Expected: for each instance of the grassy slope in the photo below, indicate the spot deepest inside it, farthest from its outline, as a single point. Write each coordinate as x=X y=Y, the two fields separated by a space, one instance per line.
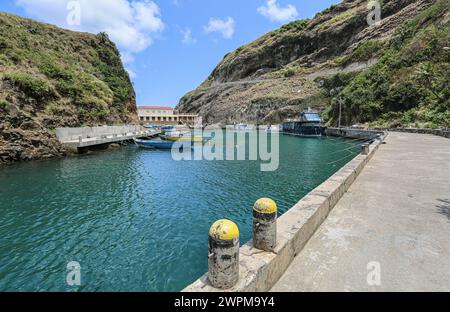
x=62 y=77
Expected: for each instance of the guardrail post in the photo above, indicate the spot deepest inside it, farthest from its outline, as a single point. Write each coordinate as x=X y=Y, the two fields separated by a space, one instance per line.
x=265 y=224
x=223 y=254
x=365 y=149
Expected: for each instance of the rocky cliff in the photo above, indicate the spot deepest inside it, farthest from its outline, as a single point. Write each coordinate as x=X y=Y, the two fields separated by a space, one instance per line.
x=49 y=78
x=395 y=71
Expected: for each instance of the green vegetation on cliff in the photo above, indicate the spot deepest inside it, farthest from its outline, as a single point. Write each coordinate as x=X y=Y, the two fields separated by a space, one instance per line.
x=49 y=78
x=71 y=78
x=395 y=72
x=409 y=85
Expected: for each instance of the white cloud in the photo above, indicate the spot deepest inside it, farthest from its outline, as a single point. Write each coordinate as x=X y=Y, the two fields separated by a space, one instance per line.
x=276 y=13
x=132 y=73
x=225 y=27
x=187 y=36
x=131 y=25
x=127 y=57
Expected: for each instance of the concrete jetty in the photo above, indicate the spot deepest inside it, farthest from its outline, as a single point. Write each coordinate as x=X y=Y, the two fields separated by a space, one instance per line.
x=260 y=270
x=78 y=138
x=390 y=231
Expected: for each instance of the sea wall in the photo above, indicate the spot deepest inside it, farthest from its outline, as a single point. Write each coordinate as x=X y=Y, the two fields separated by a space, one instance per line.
x=259 y=270
x=353 y=133
x=439 y=132
x=354 y=130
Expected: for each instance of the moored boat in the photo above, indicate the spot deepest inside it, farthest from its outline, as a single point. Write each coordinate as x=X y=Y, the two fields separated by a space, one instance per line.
x=181 y=136
x=173 y=133
x=155 y=144
x=273 y=128
x=308 y=125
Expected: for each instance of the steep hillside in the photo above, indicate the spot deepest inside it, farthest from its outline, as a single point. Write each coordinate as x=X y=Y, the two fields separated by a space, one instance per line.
x=50 y=77
x=396 y=71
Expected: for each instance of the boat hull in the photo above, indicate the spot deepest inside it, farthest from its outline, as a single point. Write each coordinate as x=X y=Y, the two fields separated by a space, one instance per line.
x=182 y=139
x=163 y=145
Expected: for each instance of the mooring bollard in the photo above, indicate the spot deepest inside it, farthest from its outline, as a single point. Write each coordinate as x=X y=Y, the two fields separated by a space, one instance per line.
x=265 y=224
x=365 y=149
x=223 y=254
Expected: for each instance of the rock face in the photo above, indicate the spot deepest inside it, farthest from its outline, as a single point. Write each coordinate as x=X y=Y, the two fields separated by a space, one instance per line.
x=286 y=70
x=22 y=138
x=49 y=78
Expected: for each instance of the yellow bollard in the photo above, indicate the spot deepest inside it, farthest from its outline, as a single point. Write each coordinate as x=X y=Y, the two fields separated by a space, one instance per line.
x=265 y=224
x=223 y=254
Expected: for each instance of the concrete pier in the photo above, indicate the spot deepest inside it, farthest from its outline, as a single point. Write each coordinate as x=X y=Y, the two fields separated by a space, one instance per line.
x=78 y=138
x=390 y=231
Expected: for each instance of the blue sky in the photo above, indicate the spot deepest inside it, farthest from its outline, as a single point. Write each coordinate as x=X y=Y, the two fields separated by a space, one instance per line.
x=170 y=46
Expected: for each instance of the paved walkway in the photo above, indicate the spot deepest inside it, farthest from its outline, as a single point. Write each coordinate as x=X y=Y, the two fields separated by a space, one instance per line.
x=397 y=214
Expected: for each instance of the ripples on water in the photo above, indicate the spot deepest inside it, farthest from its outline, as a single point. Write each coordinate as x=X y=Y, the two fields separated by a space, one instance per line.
x=135 y=219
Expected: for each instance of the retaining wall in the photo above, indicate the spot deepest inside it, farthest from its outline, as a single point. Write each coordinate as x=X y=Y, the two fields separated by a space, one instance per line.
x=353 y=133
x=260 y=270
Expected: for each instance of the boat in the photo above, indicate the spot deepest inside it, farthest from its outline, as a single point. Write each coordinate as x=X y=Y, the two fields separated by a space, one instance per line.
x=309 y=124
x=152 y=127
x=168 y=129
x=272 y=128
x=241 y=127
x=172 y=133
x=183 y=136
x=244 y=127
x=154 y=144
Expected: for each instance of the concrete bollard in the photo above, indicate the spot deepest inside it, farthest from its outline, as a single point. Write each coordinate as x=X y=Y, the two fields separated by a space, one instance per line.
x=223 y=254
x=265 y=224
x=365 y=149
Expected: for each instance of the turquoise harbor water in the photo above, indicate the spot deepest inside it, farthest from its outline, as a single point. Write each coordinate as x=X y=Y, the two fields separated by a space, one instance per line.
x=135 y=219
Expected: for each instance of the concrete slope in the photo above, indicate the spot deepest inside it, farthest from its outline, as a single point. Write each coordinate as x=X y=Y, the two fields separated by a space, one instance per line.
x=394 y=220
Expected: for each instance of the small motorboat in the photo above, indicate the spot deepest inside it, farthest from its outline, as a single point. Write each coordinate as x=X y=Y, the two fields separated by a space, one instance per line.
x=172 y=134
x=155 y=144
x=243 y=127
x=186 y=137
x=272 y=128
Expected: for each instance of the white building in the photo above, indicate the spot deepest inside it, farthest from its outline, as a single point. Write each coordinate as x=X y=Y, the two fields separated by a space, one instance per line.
x=164 y=115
